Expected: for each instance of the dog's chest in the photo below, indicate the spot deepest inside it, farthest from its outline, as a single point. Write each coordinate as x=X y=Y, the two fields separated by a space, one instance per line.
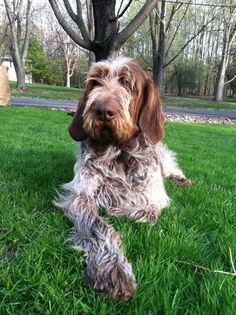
x=122 y=170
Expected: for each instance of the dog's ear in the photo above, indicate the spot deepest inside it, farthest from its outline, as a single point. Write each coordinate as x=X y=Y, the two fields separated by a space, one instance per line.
x=76 y=129
x=151 y=117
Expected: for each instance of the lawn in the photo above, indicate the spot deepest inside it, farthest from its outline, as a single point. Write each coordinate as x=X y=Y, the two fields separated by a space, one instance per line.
x=48 y=92
x=41 y=274
x=198 y=102
x=48 y=96
x=45 y=87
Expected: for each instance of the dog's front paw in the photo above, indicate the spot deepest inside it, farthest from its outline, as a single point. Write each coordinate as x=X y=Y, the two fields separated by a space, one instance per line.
x=123 y=284
x=148 y=214
x=115 y=280
x=181 y=181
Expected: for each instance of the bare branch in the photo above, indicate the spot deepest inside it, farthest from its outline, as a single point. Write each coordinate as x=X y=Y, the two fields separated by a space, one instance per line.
x=80 y=22
x=18 y=13
x=176 y=30
x=70 y=10
x=27 y=30
x=173 y=11
x=121 y=3
x=227 y=82
x=135 y=23
x=9 y=13
x=153 y=30
x=119 y=15
x=11 y=18
x=149 y=65
x=76 y=38
x=186 y=44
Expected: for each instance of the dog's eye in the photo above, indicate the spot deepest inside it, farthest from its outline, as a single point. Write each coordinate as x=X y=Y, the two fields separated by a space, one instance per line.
x=124 y=82
x=96 y=83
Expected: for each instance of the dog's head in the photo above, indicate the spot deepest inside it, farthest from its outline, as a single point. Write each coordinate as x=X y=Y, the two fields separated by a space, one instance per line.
x=119 y=102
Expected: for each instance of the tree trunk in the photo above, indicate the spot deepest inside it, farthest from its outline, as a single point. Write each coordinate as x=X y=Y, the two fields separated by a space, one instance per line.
x=158 y=70
x=106 y=28
x=229 y=35
x=91 y=30
x=67 y=79
x=19 y=68
x=20 y=73
x=219 y=86
x=179 y=90
x=18 y=53
x=159 y=55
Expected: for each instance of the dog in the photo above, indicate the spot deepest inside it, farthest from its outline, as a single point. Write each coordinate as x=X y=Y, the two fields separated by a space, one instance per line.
x=120 y=168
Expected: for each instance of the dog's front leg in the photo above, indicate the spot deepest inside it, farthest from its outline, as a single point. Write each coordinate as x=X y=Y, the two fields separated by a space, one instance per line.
x=107 y=269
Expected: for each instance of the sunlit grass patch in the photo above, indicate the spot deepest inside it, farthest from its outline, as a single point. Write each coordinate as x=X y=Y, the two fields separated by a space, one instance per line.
x=41 y=274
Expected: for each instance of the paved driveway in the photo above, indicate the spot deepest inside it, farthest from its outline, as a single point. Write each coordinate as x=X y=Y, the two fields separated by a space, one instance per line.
x=22 y=101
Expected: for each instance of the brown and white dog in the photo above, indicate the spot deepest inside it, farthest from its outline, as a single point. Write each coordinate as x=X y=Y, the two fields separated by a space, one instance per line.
x=121 y=168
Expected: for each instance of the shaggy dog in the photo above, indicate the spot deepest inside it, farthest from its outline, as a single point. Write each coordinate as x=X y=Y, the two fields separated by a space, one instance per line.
x=121 y=168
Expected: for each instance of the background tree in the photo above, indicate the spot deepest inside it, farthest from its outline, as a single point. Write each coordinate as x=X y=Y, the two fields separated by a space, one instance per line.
x=107 y=36
x=4 y=35
x=231 y=76
x=228 y=24
x=38 y=62
x=168 y=23
x=70 y=52
x=19 y=16
x=66 y=61
x=182 y=44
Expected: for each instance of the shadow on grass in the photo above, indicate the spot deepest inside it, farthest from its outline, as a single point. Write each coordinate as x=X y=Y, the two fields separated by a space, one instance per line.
x=38 y=171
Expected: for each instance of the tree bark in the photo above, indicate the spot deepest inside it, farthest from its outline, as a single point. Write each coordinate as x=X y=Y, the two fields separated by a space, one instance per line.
x=106 y=28
x=91 y=30
x=229 y=34
x=159 y=55
x=19 y=54
x=219 y=88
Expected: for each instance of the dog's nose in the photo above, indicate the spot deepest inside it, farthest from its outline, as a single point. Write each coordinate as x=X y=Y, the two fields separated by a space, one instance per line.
x=105 y=112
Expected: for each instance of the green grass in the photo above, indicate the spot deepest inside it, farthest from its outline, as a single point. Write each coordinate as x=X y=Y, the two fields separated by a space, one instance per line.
x=48 y=96
x=44 y=87
x=191 y=101
x=40 y=274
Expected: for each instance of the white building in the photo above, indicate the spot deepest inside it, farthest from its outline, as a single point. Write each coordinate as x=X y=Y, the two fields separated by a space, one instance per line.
x=7 y=61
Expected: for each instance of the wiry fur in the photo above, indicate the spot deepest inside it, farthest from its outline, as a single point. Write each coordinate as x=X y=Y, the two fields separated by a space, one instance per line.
x=124 y=177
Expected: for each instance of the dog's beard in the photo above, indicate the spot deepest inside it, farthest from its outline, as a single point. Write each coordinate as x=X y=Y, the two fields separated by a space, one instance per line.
x=106 y=134
x=117 y=131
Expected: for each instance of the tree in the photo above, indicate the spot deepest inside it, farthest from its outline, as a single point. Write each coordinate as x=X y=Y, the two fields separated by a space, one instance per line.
x=187 y=75
x=4 y=38
x=165 y=26
x=70 y=52
x=19 y=17
x=37 y=60
x=229 y=32
x=107 y=36
x=231 y=76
